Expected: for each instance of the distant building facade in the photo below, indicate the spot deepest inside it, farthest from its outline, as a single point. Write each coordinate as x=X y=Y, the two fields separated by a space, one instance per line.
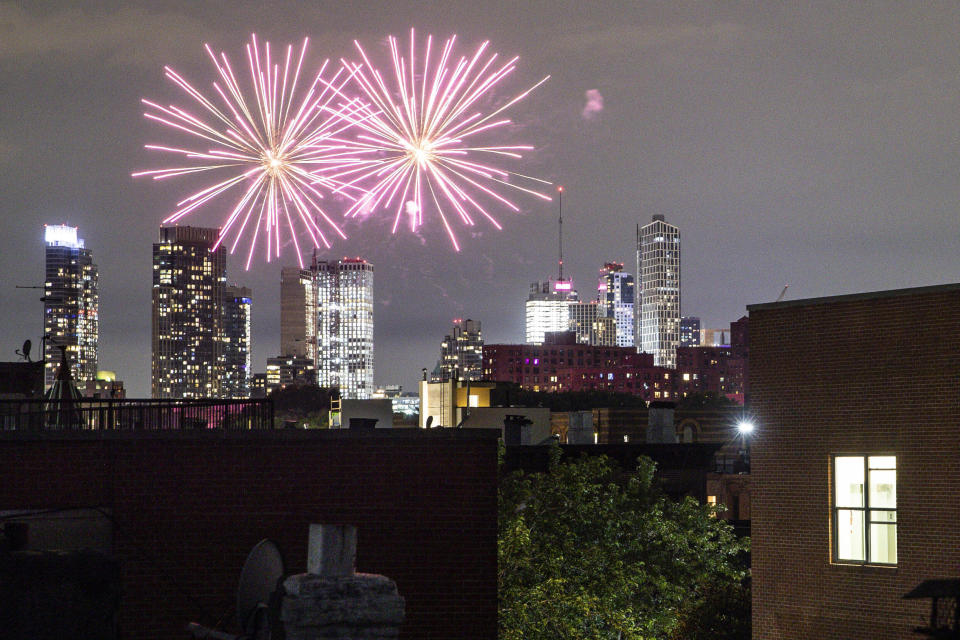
x=236 y=343
x=615 y=293
x=718 y=370
x=689 y=331
x=187 y=322
x=658 y=268
x=589 y=326
x=287 y=371
x=106 y=386
x=547 y=308
x=298 y=312
x=71 y=305
x=258 y=385
x=461 y=352
x=345 y=326
x=582 y=317
x=561 y=365
x=715 y=337
x=404 y=403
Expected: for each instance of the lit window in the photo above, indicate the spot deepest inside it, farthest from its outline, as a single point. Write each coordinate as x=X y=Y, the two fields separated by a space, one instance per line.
x=865 y=509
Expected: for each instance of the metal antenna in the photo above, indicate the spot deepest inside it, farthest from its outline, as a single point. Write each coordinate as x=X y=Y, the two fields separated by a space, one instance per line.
x=560 y=201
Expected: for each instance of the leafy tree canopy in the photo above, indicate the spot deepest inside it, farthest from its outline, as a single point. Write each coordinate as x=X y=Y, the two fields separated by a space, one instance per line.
x=589 y=551
x=302 y=403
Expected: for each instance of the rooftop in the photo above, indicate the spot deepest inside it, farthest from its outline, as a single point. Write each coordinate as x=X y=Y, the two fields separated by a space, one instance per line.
x=853 y=297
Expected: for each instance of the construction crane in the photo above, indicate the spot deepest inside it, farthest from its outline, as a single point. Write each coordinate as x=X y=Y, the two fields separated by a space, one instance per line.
x=782 y=293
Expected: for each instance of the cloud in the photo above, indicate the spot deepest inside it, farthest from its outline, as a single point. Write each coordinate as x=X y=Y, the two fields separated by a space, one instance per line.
x=594 y=105
x=126 y=36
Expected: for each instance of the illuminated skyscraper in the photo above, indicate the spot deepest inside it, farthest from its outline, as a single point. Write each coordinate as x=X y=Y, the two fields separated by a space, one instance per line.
x=548 y=309
x=615 y=294
x=345 y=326
x=461 y=352
x=236 y=343
x=298 y=312
x=658 y=266
x=188 y=295
x=70 y=304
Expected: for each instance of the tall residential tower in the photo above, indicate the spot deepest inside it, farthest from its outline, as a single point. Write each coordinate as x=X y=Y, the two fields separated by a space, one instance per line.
x=658 y=268
x=236 y=343
x=71 y=305
x=345 y=326
x=298 y=312
x=188 y=295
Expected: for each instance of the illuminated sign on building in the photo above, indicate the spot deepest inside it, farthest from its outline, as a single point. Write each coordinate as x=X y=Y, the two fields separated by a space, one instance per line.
x=61 y=235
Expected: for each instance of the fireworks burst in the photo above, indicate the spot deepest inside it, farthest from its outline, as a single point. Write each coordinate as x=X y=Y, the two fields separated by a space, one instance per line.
x=269 y=145
x=415 y=149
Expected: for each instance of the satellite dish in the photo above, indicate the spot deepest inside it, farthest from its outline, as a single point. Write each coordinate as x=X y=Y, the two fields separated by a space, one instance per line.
x=429 y=421
x=261 y=572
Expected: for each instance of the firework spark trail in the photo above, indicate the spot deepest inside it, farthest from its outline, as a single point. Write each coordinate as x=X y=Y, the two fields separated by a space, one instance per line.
x=271 y=145
x=412 y=147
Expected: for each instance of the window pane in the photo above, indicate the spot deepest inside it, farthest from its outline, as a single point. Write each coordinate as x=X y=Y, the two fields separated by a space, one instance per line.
x=849 y=481
x=883 y=543
x=883 y=516
x=850 y=534
x=883 y=489
x=883 y=462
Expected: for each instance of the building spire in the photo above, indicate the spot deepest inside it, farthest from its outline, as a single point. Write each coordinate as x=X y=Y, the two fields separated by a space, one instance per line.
x=560 y=201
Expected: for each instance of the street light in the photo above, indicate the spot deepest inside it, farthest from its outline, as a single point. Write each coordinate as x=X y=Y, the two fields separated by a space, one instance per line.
x=746 y=428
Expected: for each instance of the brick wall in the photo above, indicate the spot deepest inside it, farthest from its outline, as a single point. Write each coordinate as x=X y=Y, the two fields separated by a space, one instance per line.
x=188 y=507
x=863 y=374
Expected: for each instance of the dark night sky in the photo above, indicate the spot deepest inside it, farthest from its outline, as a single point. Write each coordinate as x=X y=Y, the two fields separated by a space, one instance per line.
x=816 y=144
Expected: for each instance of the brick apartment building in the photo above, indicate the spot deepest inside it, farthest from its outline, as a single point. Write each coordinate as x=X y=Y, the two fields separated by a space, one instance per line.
x=721 y=370
x=856 y=461
x=561 y=364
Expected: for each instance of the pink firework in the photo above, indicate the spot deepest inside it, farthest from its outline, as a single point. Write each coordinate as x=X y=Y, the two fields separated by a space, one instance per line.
x=263 y=148
x=419 y=144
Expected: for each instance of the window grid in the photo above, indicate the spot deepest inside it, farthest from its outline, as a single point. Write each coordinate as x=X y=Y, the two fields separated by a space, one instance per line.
x=864 y=510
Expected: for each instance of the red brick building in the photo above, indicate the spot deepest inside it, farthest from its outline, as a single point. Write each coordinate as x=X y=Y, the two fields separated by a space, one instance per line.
x=561 y=364
x=718 y=370
x=855 y=461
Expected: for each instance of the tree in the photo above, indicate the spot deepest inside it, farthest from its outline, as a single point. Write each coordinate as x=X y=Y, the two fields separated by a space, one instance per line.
x=587 y=550
x=302 y=404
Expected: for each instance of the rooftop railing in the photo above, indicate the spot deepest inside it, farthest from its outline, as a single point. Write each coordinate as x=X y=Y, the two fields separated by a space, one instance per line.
x=134 y=415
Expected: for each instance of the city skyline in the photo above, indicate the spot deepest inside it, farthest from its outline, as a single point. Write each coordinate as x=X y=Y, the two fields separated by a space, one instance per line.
x=805 y=145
